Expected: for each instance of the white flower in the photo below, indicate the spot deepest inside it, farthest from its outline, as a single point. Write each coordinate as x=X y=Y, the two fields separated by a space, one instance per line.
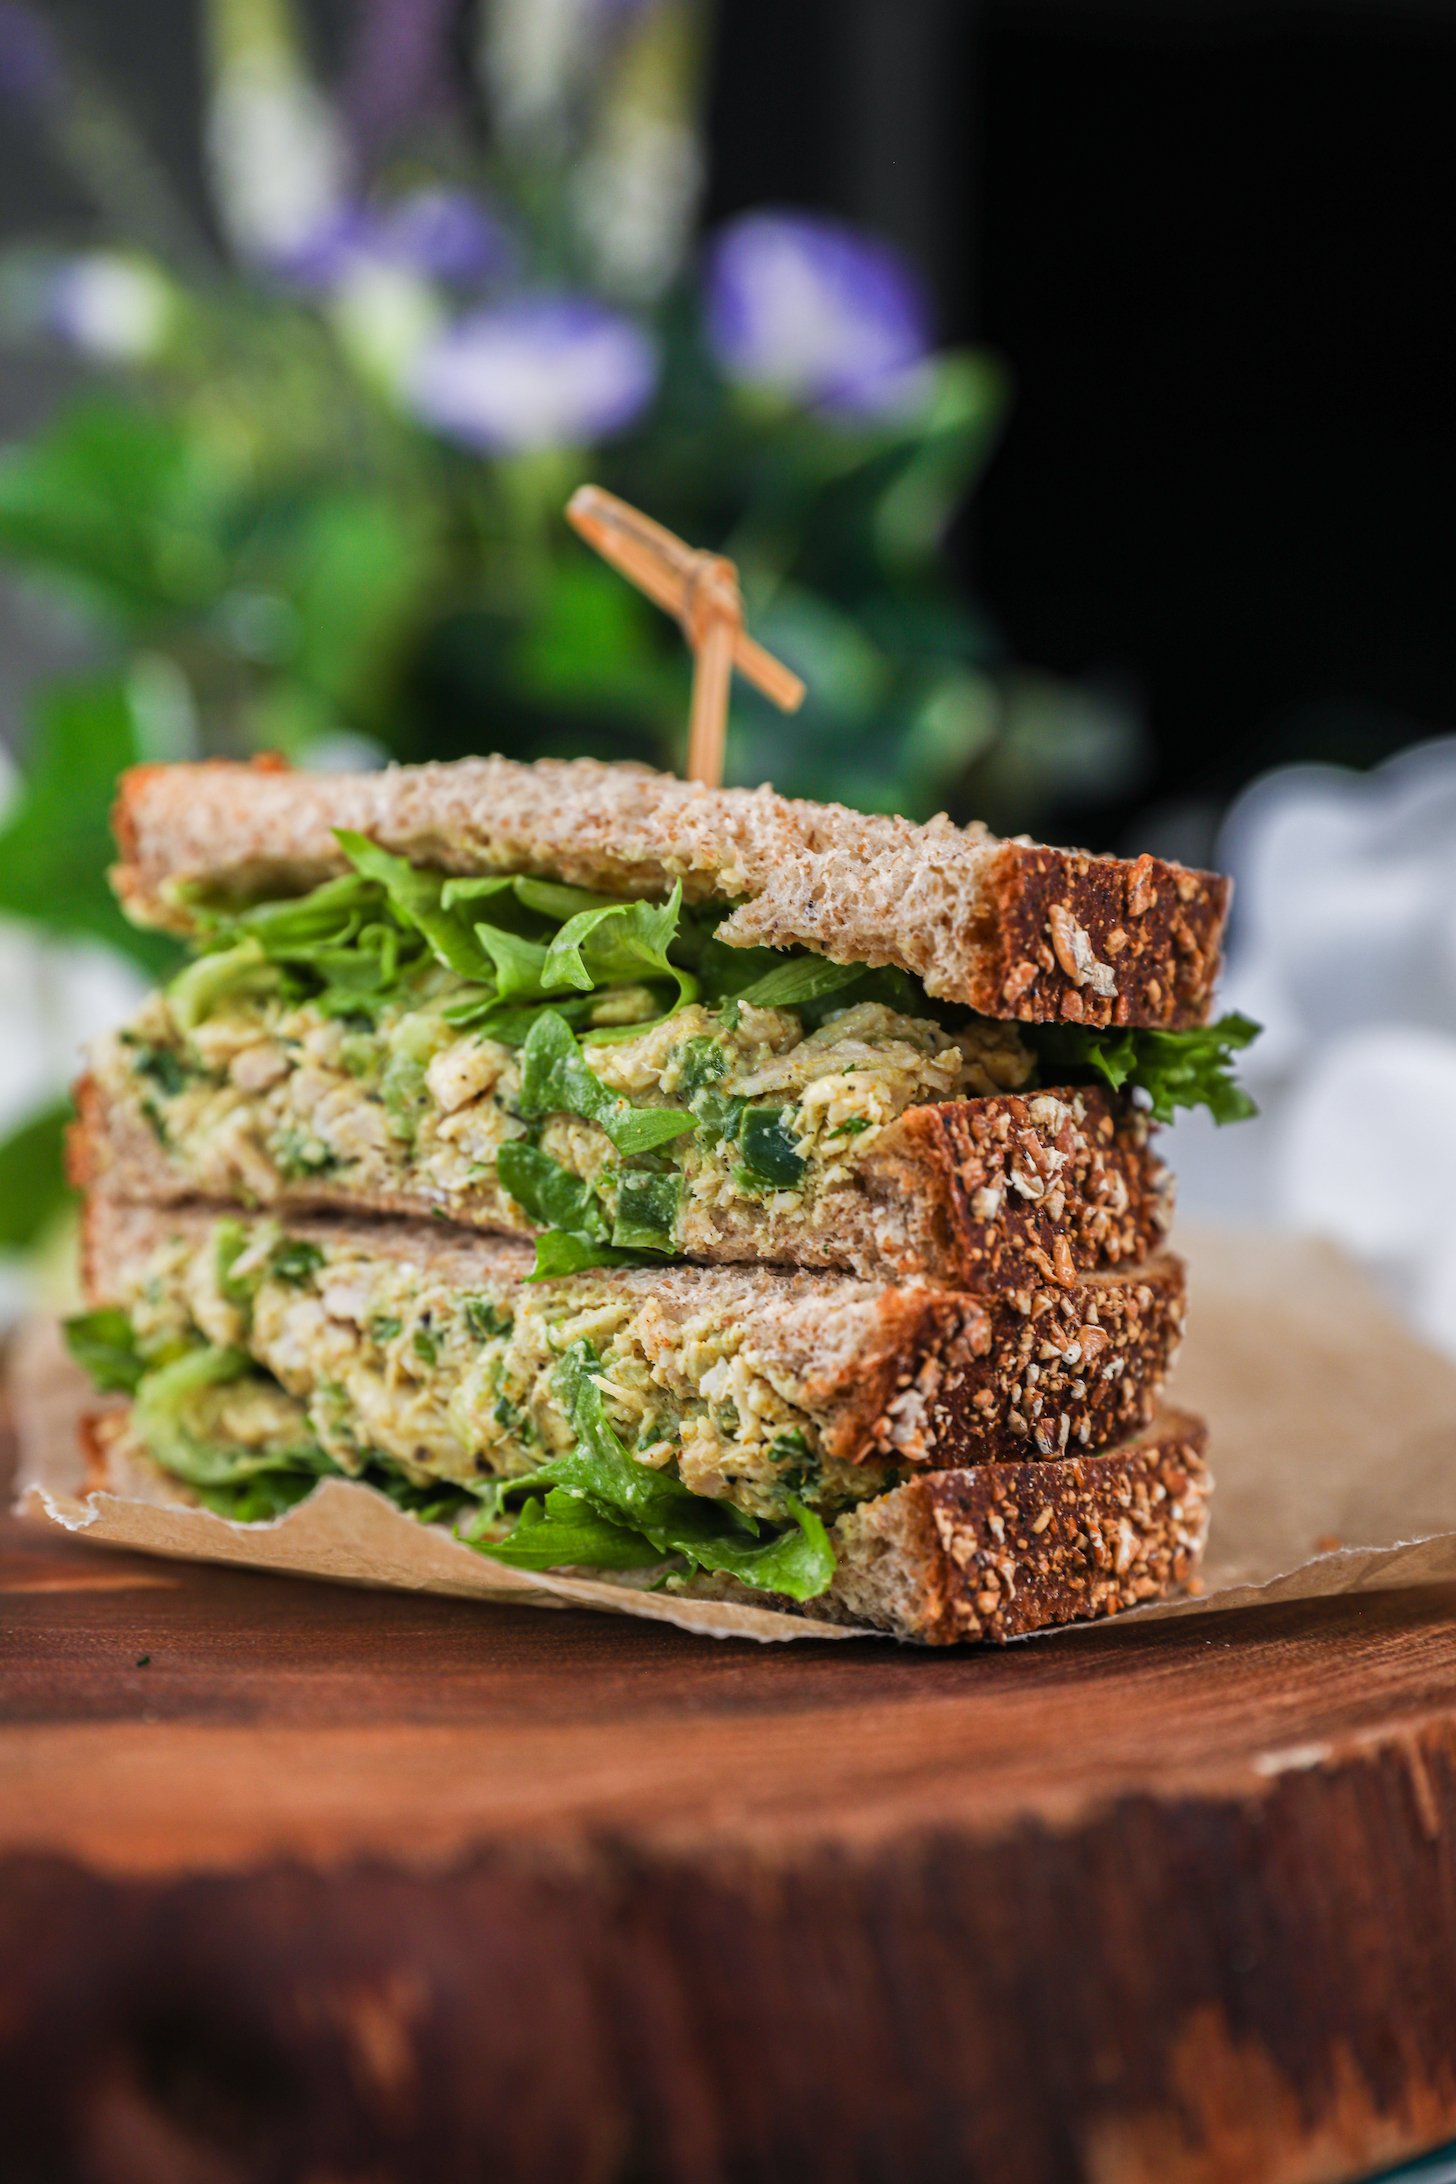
x=111 y=306
x=277 y=152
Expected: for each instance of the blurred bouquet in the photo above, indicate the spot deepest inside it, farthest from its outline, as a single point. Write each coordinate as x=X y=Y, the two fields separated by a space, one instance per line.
x=1345 y=946
x=312 y=499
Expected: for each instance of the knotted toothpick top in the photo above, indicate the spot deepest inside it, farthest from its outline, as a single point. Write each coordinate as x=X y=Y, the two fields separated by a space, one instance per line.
x=701 y=591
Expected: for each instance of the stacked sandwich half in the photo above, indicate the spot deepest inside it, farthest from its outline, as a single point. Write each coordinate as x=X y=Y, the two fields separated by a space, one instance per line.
x=725 y=1193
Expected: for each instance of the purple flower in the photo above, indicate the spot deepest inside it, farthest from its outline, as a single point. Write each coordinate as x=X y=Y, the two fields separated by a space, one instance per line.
x=326 y=253
x=548 y=371
x=815 y=311
x=448 y=235
x=444 y=235
x=30 y=66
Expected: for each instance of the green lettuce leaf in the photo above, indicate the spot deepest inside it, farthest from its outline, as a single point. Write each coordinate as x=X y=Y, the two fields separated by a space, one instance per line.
x=561 y=1251
x=555 y=1079
x=246 y=1484
x=573 y=1217
x=564 y=1530
x=103 y=1345
x=553 y=899
x=549 y=1194
x=416 y=897
x=1189 y=1068
x=707 y=1535
x=518 y=962
x=261 y=1497
x=228 y=975
x=799 y=979
x=619 y=944
x=330 y=916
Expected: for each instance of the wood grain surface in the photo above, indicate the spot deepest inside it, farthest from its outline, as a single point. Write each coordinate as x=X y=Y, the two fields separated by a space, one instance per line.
x=300 y=1882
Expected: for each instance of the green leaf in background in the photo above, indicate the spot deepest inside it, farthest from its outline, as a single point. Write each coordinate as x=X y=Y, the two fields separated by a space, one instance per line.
x=55 y=841
x=121 y=503
x=33 y=1188
x=950 y=443
x=356 y=572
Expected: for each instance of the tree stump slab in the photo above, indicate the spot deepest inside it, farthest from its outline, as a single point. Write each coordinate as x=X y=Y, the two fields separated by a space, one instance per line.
x=304 y=1882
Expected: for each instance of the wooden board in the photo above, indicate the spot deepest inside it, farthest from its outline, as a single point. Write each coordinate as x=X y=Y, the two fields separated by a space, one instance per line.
x=303 y=1882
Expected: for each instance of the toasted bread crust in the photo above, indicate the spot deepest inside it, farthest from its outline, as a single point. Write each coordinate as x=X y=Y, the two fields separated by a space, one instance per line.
x=1000 y=1550
x=1008 y=928
x=999 y=1191
x=984 y=1194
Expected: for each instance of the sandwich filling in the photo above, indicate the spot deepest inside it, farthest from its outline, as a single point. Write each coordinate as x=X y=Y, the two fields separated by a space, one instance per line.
x=604 y=1074
x=259 y=1362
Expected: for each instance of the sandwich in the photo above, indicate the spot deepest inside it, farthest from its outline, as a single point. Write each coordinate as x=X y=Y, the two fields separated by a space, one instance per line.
x=725 y=1193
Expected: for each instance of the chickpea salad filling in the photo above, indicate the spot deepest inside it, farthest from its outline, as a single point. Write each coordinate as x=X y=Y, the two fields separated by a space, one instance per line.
x=604 y=1074
x=574 y=1422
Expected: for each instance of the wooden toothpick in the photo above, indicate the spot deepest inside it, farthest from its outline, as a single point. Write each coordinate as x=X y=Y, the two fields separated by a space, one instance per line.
x=701 y=591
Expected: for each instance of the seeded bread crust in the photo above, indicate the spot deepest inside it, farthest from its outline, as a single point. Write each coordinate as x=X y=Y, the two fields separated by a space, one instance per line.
x=1000 y=1550
x=957 y=1557
x=919 y=1375
x=1005 y=927
x=985 y=1194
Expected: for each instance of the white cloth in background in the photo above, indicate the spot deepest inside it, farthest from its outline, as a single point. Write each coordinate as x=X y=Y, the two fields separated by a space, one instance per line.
x=1344 y=945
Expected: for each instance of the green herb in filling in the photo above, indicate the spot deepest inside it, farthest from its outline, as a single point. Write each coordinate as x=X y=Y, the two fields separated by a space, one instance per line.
x=647 y=1211
x=485 y=1319
x=298 y=1155
x=771 y=1159
x=295 y=1261
x=163 y=1066
x=230 y=1244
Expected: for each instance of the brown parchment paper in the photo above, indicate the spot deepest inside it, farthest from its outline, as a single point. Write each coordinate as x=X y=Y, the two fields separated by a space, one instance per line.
x=1333 y=1451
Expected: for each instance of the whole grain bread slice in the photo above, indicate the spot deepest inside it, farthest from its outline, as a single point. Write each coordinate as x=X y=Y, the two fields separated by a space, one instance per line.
x=910 y=1373
x=955 y=1557
x=1000 y=1550
x=986 y=1194
x=1004 y=927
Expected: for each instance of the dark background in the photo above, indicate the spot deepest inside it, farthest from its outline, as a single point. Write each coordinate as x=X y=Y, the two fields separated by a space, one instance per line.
x=1215 y=242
